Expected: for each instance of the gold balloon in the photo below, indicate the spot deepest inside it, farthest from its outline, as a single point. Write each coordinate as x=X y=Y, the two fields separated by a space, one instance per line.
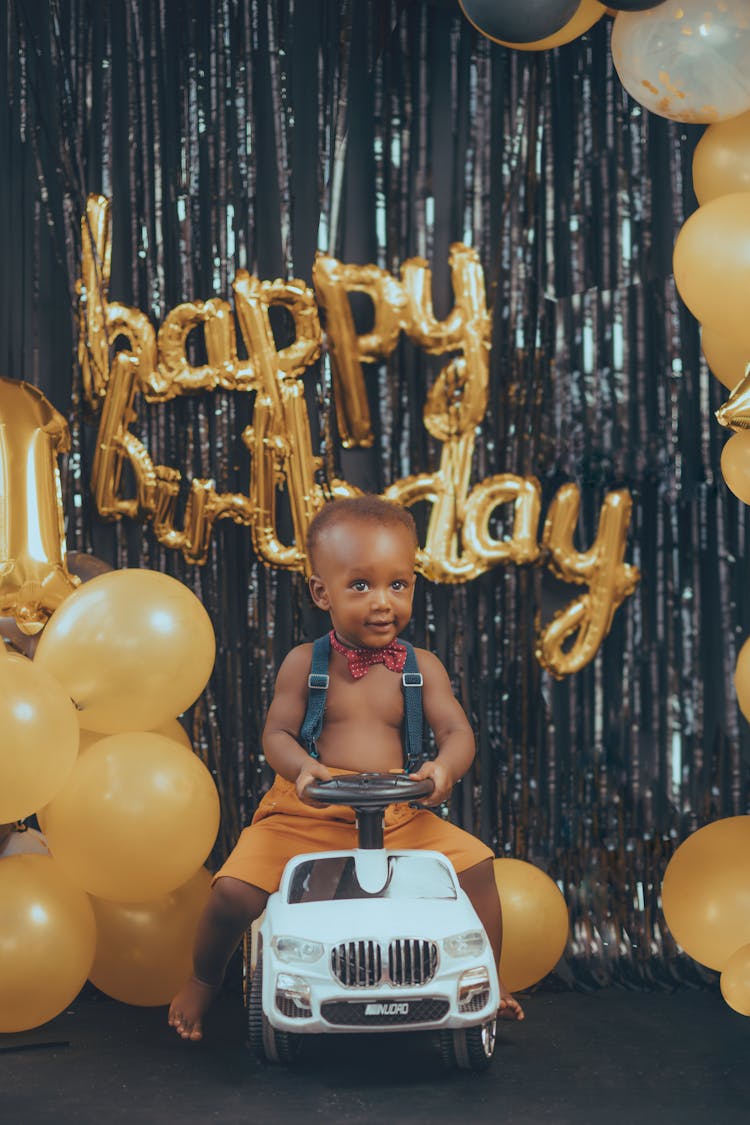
x=34 y=578
x=735 y=465
x=735 y=981
x=609 y=579
x=172 y=729
x=454 y=549
x=742 y=679
x=712 y=264
x=93 y=285
x=176 y=369
x=728 y=359
x=589 y=11
x=87 y=738
x=334 y=281
x=279 y=440
x=176 y=375
x=721 y=161
x=47 y=937
x=735 y=412
x=132 y=648
x=535 y=923
x=81 y=565
x=156 y=486
x=135 y=819
x=39 y=739
x=525 y=494
x=706 y=891
x=124 y=321
x=144 y=950
x=175 y=730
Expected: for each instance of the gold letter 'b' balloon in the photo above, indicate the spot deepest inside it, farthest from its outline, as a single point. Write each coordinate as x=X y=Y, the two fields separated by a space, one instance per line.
x=33 y=576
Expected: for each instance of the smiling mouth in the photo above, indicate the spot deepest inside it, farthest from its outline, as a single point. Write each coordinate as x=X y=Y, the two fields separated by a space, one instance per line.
x=380 y=624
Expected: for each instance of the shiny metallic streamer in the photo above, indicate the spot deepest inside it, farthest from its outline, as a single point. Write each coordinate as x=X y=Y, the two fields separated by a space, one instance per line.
x=244 y=135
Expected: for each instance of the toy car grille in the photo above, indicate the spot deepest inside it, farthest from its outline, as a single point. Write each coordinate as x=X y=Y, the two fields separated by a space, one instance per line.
x=476 y=1003
x=360 y=1013
x=412 y=962
x=357 y=964
x=288 y=1008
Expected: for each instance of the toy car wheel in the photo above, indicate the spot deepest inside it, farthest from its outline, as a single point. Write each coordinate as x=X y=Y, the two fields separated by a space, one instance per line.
x=268 y=1044
x=469 y=1048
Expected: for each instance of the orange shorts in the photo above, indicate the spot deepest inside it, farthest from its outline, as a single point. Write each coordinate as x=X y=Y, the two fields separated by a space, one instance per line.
x=283 y=826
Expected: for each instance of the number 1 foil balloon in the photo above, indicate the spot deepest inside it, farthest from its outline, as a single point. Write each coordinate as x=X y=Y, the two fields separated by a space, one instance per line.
x=34 y=578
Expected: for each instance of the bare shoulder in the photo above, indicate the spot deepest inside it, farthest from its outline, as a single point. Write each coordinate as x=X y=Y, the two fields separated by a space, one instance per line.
x=430 y=666
x=295 y=664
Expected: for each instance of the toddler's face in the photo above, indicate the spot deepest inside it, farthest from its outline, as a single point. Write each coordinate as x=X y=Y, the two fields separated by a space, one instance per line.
x=364 y=578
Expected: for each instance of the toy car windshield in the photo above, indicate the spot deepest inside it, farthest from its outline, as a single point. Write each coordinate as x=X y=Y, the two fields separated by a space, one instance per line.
x=335 y=878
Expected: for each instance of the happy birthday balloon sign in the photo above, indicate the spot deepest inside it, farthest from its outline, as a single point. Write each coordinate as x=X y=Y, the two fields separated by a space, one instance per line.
x=459 y=543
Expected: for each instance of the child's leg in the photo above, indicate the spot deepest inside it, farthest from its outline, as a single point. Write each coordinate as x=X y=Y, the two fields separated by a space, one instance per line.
x=232 y=906
x=479 y=884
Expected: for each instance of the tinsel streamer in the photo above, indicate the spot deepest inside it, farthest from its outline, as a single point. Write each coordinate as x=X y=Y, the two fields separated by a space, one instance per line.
x=244 y=136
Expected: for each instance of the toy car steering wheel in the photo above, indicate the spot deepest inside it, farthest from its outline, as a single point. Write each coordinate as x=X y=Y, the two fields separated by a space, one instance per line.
x=369 y=792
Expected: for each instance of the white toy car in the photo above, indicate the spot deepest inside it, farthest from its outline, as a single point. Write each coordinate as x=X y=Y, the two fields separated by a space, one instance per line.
x=373 y=940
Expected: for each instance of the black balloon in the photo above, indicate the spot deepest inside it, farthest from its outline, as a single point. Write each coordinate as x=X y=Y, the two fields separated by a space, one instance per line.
x=634 y=5
x=519 y=21
x=86 y=566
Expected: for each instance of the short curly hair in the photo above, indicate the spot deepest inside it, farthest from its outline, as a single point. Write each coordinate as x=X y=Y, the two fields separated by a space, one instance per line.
x=368 y=508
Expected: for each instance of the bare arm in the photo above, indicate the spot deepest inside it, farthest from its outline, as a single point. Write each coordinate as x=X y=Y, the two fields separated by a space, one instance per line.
x=281 y=746
x=453 y=734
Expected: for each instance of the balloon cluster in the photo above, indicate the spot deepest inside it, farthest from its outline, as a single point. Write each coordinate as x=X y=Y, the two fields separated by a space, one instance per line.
x=681 y=59
x=92 y=746
x=687 y=61
x=712 y=271
x=712 y=274
x=706 y=902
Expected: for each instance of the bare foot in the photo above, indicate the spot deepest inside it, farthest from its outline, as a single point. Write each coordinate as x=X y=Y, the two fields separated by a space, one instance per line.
x=189 y=1006
x=509 y=1008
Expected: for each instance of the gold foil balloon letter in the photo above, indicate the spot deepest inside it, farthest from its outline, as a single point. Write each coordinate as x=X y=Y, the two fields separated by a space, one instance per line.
x=609 y=579
x=464 y=537
x=33 y=576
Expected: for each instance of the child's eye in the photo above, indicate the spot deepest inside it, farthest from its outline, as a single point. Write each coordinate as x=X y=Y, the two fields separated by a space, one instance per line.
x=360 y=585
x=399 y=584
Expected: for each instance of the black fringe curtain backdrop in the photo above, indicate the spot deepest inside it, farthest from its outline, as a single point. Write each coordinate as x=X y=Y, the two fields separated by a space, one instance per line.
x=246 y=134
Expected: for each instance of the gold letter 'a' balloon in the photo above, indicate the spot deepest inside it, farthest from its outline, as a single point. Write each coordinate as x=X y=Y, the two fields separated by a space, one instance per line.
x=33 y=576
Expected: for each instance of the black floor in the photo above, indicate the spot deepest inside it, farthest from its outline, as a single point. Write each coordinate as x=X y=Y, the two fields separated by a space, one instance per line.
x=611 y=1057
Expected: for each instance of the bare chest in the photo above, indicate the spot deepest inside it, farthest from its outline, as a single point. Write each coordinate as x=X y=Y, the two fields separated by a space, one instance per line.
x=376 y=698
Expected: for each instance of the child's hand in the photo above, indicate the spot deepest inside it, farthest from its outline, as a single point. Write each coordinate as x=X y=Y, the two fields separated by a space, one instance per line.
x=311 y=771
x=441 y=778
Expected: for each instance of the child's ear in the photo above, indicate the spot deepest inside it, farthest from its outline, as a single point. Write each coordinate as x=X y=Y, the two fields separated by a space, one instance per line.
x=318 y=592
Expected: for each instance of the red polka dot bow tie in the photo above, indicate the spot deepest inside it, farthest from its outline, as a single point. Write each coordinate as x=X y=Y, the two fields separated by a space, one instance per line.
x=361 y=659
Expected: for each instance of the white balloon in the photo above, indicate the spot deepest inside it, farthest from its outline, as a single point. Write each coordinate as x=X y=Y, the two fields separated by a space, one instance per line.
x=686 y=59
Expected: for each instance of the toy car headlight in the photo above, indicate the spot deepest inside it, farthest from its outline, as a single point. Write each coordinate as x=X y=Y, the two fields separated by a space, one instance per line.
x=296 y=949
x=469 y=944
